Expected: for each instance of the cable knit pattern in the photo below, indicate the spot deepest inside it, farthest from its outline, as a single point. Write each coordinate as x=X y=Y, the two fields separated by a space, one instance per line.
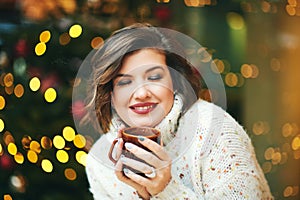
x=218 y=163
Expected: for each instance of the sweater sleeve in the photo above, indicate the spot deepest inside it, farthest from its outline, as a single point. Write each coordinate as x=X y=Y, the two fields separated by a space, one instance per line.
x=176 y=190
x=231 y=170
x=96 y=187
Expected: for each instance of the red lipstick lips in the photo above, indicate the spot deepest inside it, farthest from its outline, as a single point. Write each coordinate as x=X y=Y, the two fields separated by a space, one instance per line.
x=143 y=108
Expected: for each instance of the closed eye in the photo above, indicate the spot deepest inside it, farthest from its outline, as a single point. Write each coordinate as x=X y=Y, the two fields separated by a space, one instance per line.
x=123 y=82
x=155 y=77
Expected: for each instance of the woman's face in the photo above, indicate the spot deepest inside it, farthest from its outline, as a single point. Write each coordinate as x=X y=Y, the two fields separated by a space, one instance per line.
x=142 y=91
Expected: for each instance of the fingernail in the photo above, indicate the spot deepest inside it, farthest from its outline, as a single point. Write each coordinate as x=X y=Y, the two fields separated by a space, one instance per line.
x=126 y=171
x=141 y=138
x=128 y=145
x=123 y=158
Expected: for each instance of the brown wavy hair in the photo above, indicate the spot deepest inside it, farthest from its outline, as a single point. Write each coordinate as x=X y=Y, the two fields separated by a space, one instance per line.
x=107 y=62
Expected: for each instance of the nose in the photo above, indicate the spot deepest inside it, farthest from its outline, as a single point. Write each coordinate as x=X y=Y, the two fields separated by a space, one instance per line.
x=142 y=92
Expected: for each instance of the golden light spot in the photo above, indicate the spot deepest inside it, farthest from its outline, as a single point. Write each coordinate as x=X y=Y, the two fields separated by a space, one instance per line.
x=62 y=156
x=9 y=90
x=70 y=174
x=260 y=127
x=8 y=138
x=59 y=142
x=1 y=150
x=64 y=39
x=75 y=31
x=79 y=141
x=289 y=129
x=40 y=48
x=231 y=79
x=8 y=80
x=46 y=142
x=34 y=84
x=2 y=103
x=19 y=158
x=7 y=197
x=295 y=190
x=296 y=143
x=265 y=6
x=69 y=133
x=12 y=149
x=26 y=141
x=47 y=165
x=45 y=36
x=276 y=158
x=35 y=146
x=32 y=156
x=19 y=90
x=235 y=21
x=255 y=71
x=2 y=125
x=292 y=2
x=50 y=95
x=217 y=66
x=269 y=153
x=246 y=70
x=266 y=167
x=97 y=42
x=204 y=56
x=81 y=157
x=290 y=10
x=288 y=191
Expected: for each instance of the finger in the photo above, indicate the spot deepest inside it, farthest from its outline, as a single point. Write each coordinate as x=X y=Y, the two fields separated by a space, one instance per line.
x=119 y=148
x=137 y=178
x=155 y=148
x=147 y=156
x=137 y=165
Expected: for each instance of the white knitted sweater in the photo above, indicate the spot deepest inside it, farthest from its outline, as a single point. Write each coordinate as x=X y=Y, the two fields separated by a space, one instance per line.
x=215 y=161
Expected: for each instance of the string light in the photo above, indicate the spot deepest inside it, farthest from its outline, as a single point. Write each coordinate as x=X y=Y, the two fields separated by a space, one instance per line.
x=34 y=84
x=47 y=165
x=50 y=95
x=75 y=31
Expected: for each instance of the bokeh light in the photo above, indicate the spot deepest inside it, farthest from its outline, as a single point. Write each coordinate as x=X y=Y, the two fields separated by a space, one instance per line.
x=35 y=146
x=47 y=165
x=70 y=174
x=40 y=48
x=69 y=133
x=75 y=31
x=2 y=102
x=81 y=157
x=235 y=21
x=46 y=142
x=62 y=156
x=34 y=84
x=7 y=197
x=59 y=142
x=2 y=125
x=19 y=158
x=19 y=90
x=64 y=39
x=45 y=36
x=32 y=156
x=97 y=42
x=8 y=80
x=12 y=149
x=26 y=142
x=79 y=141
x=231 y=79
x=50 y=95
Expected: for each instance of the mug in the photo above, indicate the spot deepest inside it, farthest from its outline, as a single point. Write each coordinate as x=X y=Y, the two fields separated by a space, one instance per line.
x=131 y=135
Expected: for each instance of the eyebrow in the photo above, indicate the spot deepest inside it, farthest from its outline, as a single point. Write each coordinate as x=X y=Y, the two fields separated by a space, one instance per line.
x=147 y=71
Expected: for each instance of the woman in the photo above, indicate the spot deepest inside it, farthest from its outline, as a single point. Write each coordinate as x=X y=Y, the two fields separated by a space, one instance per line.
x=138 y=80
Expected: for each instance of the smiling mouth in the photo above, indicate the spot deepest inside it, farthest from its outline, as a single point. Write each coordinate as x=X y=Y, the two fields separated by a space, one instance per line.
x=142 y=109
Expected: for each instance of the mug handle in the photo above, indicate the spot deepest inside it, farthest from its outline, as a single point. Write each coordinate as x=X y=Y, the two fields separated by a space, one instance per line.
x=111 y=150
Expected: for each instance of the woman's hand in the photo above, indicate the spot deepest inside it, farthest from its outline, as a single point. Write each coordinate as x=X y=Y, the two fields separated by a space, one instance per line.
x=157 y=159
